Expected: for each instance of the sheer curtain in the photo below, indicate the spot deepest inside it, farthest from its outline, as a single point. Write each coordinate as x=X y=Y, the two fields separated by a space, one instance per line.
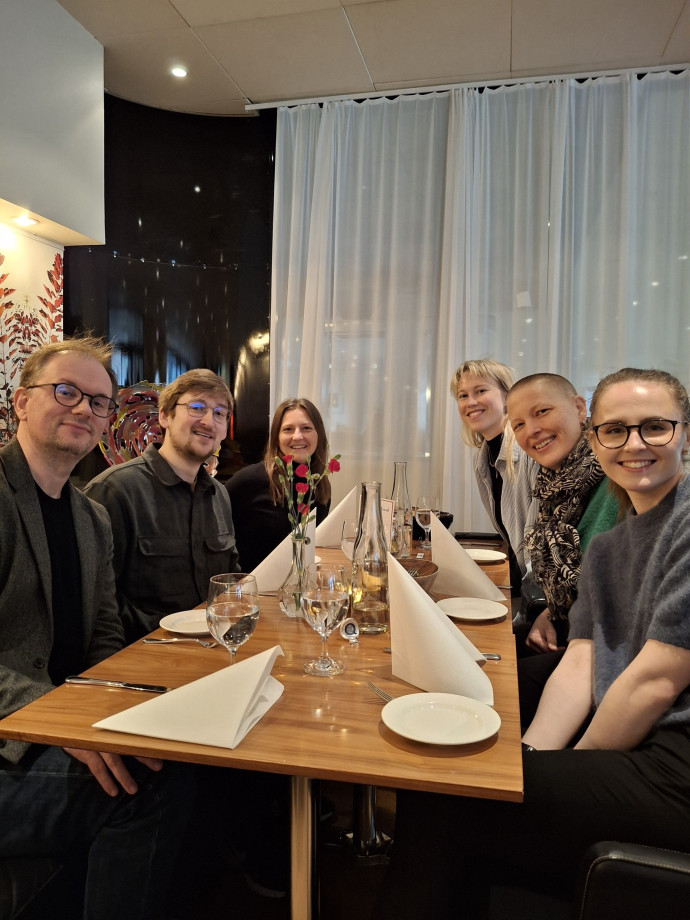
x=545 y=225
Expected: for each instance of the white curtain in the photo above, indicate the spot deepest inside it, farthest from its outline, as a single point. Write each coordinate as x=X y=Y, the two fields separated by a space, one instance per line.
x=544 y=225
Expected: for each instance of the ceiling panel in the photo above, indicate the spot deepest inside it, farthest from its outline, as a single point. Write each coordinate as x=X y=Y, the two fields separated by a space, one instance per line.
x=120 y=17
x=678 y=49
x=301 y=55
x=590 y=34
x=212 y=12
x=439 y=39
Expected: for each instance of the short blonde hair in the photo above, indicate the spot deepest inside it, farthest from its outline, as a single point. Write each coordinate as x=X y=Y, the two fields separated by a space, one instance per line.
x=488 y=370
x=98 y=349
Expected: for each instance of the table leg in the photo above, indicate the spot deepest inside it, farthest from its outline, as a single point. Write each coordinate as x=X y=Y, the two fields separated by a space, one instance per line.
x=302 y=849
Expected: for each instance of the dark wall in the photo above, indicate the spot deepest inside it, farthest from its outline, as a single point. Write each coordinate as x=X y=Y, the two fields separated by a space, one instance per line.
x=183 y=279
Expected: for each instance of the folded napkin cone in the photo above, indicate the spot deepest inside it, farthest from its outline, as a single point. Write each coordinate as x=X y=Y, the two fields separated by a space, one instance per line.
x=330 y=530
x=428 y=650
x=218 y=709
x=458 y=575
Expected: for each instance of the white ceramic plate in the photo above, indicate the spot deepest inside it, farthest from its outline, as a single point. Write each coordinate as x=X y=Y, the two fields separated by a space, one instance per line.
x=472 y=608
x=440 y=718
x=186 y=623
x=484 y=555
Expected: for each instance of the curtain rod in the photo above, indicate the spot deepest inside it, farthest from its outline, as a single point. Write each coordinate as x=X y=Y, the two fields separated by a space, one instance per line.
x=516 y=81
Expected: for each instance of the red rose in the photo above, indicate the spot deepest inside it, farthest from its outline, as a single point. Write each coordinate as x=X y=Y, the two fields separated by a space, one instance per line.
x=333 y=466
x=301 y=487
x=302 y=509
x=287 y=458
x=302 y=470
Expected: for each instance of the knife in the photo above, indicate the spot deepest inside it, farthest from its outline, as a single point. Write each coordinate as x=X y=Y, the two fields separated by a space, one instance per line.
x=95 y=682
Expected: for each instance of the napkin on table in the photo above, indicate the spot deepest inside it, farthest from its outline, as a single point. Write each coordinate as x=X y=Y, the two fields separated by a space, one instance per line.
x=428 y=650
x=272 y=572
x=329 y=531
x=458 y=575
x=218 y=709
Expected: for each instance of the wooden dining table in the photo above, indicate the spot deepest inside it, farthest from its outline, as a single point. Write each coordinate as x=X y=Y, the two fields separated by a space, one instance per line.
x=319 y=729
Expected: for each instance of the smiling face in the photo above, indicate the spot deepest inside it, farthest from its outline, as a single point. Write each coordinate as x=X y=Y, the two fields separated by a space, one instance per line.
x=547 y=422
x=481 y=405
x=56 y=430
x=646 y=473
x=297 y=435
x=188 y=441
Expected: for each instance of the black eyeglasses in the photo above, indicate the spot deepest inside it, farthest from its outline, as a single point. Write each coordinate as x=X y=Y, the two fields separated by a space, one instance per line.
x=68 y=395
x=198 y=409
x=655 y=432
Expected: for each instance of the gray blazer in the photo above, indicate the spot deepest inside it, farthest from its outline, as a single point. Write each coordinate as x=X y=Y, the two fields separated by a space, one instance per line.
x=26 y=621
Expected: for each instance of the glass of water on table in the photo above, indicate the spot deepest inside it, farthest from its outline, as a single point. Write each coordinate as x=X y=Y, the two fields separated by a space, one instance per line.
x=325 y=602
x=232 y=609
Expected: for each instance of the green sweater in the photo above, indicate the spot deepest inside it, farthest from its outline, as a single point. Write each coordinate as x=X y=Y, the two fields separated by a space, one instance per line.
x=600 y=514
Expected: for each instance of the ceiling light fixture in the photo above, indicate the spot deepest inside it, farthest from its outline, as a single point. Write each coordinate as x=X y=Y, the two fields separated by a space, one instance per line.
x=25 y=221
x=178 y=71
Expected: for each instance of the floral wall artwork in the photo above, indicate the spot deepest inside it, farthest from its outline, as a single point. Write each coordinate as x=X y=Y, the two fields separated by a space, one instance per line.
x=30 y=310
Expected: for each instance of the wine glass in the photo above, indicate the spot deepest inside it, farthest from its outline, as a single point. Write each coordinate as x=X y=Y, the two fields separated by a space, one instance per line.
x=325 y=601
x=348 y=537
x=423 y=510
x=232 y=609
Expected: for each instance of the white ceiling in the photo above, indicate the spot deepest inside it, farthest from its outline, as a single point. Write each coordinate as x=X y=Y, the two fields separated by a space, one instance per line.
x=254 y=51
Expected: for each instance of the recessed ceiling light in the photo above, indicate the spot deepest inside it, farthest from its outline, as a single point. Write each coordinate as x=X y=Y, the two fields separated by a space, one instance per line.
x=178 y=71
x=25 y=221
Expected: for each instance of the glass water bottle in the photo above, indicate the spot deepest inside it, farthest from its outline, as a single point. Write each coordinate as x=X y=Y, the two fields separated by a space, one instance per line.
x=370 y=566
x=401 y=529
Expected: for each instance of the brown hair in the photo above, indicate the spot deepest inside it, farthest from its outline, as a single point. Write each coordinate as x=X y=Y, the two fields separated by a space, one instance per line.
x=648 y=375
x=488 y=370
x=199 y=380
x=98 y=349
x=319 y=458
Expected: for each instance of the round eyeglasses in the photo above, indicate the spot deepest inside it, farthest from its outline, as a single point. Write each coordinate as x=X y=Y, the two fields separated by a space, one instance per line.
x=655 y=432
x=198 y=409
x=68 y=395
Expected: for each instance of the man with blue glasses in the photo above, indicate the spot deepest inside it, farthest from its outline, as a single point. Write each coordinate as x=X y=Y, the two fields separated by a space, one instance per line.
x=172 y=522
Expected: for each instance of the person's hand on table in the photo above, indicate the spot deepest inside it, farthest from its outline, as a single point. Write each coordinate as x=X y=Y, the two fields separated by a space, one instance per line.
x=542 y=636
x=107 y=768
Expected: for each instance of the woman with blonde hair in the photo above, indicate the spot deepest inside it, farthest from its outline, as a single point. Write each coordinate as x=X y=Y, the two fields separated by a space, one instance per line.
x=504 y=474
x=259 y=505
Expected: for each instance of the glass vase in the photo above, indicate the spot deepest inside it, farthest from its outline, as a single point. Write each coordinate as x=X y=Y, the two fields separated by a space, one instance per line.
x=290 y=592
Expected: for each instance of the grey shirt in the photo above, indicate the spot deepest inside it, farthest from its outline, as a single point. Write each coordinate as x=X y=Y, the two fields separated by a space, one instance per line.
x=169 y=538
x=634 y=586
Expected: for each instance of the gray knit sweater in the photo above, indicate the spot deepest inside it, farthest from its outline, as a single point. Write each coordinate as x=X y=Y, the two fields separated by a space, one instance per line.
x=634 y=586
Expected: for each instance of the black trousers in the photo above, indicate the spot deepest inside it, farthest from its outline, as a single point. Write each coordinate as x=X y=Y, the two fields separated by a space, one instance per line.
x=448 y=850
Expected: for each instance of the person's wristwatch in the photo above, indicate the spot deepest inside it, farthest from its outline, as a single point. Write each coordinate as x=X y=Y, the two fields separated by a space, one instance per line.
x=527 y=748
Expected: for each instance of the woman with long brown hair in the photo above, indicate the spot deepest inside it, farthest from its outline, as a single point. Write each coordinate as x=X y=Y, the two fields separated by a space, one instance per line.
x=259 y=503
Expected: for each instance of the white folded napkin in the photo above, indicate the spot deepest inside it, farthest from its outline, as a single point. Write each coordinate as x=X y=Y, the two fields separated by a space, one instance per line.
x=329 y=531
x=457 y=573
x=272 y=572
x=428 y=650
x=218 y=709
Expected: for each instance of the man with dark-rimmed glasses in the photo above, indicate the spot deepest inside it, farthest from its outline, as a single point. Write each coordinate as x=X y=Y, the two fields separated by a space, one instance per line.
x=172 y=522
x=58 y=617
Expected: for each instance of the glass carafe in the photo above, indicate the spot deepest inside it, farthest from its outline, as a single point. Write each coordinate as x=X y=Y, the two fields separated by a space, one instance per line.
x=401 y=528
x=370 y=565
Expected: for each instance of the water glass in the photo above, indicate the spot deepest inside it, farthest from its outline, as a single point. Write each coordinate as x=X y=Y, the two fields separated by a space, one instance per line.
x=325 y=602
x=232 y=609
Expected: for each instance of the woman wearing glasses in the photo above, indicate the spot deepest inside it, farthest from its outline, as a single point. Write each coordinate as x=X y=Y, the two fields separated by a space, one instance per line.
x=259 y=506
x=607 y=756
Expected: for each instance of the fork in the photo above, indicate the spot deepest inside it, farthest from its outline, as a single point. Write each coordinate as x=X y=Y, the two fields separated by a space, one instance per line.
x=386 y=697
x=170 y=641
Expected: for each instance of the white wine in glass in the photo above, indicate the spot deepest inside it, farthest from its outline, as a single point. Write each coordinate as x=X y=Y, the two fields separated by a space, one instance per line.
x=423 y=512
x=232 y=609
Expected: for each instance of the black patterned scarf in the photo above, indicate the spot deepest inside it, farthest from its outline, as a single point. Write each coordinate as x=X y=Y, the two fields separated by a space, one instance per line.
x=553 y=542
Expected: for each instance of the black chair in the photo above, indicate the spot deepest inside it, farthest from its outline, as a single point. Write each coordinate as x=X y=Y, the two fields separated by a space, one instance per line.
x=632 y=881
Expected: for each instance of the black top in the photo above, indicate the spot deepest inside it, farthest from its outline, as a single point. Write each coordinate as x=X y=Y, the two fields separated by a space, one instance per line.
x=67 y=655
x=494 y=447
x=259 y=524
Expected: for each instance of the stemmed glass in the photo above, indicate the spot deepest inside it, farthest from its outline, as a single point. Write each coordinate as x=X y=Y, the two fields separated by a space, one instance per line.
x=423 y=509
x=348 y=537
x=232 y=609
x=325 y=601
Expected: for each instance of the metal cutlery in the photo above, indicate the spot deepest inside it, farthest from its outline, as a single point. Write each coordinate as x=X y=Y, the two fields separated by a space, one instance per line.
x=120 y=684
x=386 y=697
x=171 y=641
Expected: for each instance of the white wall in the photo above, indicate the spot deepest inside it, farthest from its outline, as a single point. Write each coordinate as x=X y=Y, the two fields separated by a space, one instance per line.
x=51 y=116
